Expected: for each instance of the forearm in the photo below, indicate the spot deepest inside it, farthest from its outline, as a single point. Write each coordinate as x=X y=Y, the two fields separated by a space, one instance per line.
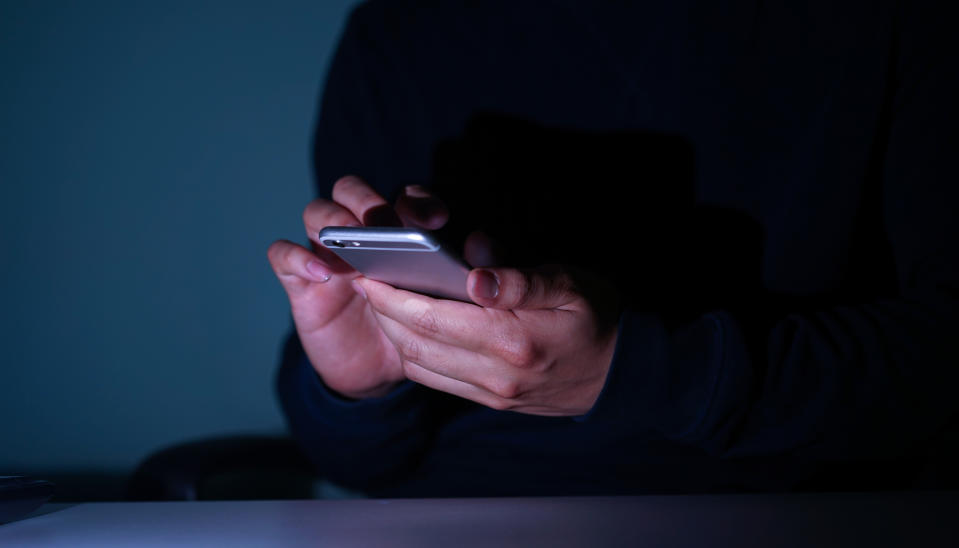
x=848 y=382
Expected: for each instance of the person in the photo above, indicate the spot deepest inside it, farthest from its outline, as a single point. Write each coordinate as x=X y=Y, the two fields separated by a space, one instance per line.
x=715 y=249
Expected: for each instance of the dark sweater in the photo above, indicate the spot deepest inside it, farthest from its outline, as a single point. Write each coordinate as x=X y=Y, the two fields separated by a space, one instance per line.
x=772 y=190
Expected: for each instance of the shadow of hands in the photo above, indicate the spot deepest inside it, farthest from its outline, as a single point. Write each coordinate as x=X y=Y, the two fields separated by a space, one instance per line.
x=614 y=206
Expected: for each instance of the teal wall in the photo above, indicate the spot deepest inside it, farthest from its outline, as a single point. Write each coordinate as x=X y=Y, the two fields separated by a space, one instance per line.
x=149 y=153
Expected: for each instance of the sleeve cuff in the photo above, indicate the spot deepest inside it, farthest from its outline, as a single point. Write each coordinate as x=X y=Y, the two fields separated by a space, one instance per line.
x=306 y=397
x=333 y=399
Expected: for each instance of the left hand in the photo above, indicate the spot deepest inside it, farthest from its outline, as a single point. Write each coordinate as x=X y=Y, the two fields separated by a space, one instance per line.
x=536 y=344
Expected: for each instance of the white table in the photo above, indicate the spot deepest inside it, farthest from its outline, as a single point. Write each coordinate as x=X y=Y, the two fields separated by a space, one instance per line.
x=889 y=519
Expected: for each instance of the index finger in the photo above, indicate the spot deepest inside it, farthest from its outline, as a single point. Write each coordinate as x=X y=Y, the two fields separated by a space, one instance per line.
x=364 y=202
x=320 y=214
x=452 y=322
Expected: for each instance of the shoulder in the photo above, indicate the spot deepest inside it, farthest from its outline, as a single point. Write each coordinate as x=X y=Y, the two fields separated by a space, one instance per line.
x=430 y=28
x=407 y=19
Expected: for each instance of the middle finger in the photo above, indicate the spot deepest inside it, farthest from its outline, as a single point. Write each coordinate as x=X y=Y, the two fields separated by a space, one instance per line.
x=452 y=322
x=364 y=202
x=444 y=359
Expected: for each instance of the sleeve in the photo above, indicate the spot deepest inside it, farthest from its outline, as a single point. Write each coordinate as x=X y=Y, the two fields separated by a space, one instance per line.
x=364 y=444
x=367 y=110
x=873 y=380
x=345 y=141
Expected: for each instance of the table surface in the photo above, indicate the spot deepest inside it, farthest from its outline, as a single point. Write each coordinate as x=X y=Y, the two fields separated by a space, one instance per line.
x=851 y=519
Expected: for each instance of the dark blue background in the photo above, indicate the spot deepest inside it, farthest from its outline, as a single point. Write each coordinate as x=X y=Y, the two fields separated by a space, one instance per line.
x=149 y=153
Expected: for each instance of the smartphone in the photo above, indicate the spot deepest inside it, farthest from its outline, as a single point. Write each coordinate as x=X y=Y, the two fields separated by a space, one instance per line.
x=407 y=258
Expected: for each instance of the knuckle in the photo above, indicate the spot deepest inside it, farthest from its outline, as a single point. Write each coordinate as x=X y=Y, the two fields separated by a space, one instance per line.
x=352 y=188
x=274 y=252
x=425 y=320
x=411 y=350
x=287 y=255
x=281 y=255
x=343 y=184
x=506 y=388
x=519 y=352
x=311 y=209
x=320 y=213
x=346 y=182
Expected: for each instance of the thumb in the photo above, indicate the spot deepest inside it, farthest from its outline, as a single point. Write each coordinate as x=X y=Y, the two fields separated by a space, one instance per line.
x=529 y=289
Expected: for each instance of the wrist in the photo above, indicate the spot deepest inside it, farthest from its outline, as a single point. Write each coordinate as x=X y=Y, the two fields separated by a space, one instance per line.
x=356 y=393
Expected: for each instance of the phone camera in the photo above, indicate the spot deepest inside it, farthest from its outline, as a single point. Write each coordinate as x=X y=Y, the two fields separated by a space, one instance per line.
x=337 y=243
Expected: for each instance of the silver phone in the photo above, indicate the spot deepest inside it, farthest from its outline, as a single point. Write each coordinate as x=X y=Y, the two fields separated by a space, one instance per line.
x=407 y=258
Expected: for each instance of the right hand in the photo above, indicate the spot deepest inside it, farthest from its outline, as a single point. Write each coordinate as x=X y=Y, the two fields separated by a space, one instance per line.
x=339 y=333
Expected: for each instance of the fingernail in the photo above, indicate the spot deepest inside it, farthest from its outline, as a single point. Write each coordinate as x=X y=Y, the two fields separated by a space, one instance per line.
x=358 y=288
x=318 y=271
x=485 y=284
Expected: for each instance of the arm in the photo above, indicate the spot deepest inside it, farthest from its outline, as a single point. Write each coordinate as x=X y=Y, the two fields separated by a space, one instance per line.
x=849 y=380
x=854 y=380
x=344 y=398
x=361 y=444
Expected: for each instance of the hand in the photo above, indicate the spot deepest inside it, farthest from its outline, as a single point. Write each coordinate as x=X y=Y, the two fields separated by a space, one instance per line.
x=537 y=344
x=339 y=333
